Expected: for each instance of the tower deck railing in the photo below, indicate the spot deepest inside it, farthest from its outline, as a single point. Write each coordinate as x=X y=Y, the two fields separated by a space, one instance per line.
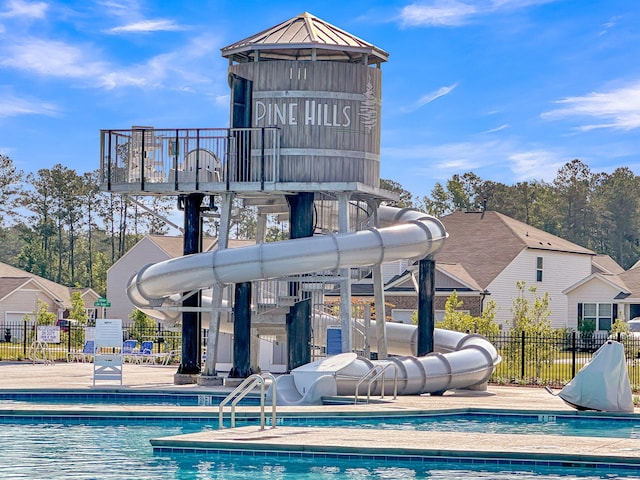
x=163 y=161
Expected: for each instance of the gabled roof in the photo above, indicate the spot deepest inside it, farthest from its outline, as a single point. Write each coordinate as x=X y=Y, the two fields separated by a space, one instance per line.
x=485 y=243
x=59 y=292
x=614 y=281
x=305 y=37
x=9 y=285
x=605 y=264
x=631 y=279
x=174 y=246
x=455 y=272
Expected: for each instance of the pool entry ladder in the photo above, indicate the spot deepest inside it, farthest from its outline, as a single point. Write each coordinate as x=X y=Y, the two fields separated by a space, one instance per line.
x=241 y=391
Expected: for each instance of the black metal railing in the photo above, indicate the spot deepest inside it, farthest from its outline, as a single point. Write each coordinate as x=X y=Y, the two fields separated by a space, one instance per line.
x=162 y=160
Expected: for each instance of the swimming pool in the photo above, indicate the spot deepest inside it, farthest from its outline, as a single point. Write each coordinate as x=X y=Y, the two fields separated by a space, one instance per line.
x=117 y=448
x=578 y=424
x=473 y=420
x=117 y=398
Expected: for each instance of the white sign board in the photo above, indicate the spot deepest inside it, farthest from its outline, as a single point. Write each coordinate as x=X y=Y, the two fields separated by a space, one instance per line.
x=90 y=333
x=48 y=334
x=108 y=333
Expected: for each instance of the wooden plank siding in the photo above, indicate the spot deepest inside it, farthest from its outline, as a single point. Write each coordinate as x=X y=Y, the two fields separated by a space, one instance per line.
x=325 y=136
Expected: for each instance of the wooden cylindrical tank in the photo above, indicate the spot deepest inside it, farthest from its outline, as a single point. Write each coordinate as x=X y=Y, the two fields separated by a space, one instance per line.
x=328 y=113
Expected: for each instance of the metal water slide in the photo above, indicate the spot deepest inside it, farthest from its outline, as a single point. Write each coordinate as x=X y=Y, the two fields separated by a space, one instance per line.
x=460 y=360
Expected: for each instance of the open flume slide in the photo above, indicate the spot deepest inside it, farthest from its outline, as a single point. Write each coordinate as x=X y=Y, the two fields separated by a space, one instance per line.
x=462 y=360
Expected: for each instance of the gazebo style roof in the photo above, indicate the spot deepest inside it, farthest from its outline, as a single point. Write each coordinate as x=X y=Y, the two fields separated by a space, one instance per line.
x=305 y=37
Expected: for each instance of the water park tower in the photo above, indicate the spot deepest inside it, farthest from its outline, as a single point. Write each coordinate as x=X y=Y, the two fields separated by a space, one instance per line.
x=303 y=143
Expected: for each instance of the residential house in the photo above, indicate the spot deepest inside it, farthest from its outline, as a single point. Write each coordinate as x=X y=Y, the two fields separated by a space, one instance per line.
x=156 y=248
x=486 y=255
x=605 y=295
x=498 y=252
x=20 y=292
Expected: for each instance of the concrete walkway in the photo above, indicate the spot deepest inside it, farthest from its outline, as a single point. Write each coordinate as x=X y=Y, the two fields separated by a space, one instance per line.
x=410 y=445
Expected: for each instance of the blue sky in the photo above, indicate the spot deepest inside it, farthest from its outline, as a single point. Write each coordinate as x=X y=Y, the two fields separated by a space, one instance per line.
x=508 y=89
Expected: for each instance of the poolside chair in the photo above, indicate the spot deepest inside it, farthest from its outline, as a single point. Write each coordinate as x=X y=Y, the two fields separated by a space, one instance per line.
x=86 y=355
x=128 y=350
x=145 y=353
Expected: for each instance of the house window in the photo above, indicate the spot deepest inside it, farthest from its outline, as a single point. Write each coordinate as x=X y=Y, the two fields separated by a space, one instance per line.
x=598 y=314
x=538 y=269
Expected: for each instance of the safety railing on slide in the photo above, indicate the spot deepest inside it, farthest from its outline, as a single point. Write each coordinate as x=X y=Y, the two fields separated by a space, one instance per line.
x=375 y=373
x=241 y=391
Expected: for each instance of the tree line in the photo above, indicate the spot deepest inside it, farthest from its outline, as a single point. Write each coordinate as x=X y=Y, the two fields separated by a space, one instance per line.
x=599 y=211
x=56 y=223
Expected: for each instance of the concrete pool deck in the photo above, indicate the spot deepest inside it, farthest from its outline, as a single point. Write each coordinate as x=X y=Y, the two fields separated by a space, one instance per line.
x=397 y=444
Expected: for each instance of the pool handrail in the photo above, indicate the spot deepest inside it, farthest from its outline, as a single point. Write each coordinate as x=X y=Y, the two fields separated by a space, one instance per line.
x=241 y=391
x=378 y=371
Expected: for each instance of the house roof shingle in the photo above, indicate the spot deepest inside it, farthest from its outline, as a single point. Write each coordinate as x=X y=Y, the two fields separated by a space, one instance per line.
x=61 y=292
x=606 y=264
x=484 y=243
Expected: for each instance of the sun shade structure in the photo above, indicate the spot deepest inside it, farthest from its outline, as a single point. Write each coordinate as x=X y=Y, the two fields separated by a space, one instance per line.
x=305 y=37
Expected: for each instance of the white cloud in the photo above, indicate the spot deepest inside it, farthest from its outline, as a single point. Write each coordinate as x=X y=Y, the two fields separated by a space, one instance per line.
x=51 y=58
x=536 y=165
x=18 y=8
x=181 y=69
x=504 y=157
x=616 y=109
x=430 y=97
x=145 y=26
x=456 y=13
x=12 y=106
x=497 y=129
x=440 y=13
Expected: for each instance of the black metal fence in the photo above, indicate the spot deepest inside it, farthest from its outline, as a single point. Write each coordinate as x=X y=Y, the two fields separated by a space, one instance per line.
x=549 y=360
x=17 y=339
x=553 y=360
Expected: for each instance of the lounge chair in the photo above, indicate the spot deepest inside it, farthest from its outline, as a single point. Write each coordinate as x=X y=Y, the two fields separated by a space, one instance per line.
x=128 y=350
x=144 y=354
x=86 y=355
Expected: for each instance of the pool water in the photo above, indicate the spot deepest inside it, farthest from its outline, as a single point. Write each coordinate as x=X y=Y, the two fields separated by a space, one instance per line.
x=520 y=424
x=118 y=398
x=117 y=449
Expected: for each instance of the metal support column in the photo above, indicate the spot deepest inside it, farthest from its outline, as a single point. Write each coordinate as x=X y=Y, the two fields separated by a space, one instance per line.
x=299 y=317
x=216 y=303
x=241 y=331
x=345 y=274
x=378 y=296
x=190 y=364
x=426 y=305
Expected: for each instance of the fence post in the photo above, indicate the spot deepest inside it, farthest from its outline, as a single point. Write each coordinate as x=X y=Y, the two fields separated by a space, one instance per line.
x=573 y=354
x=24 y=339
x=522 y=341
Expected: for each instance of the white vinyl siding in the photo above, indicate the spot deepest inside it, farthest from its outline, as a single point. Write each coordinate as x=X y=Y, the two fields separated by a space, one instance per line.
x=121 y=272
x=593 y=291
x=561 y=270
